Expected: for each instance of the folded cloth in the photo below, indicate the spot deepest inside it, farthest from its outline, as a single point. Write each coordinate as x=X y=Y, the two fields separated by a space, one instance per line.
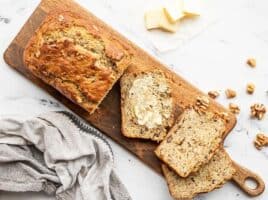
x=58 y=154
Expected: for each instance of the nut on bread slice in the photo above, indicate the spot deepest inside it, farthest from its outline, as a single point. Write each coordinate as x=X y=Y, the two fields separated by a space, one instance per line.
x=146 y=104
x=211 y=176
x=191 y=142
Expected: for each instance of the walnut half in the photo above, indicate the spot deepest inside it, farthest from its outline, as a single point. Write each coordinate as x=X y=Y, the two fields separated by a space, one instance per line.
x=201 y=104
x=234 y=108
x=260 y=141
x=213 y=94
x=250 y=88
x=230 y=93
x=258 y=111
x=252 y=62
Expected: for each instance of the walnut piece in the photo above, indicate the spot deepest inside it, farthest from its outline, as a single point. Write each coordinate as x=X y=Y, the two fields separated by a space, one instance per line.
x=230 y=93
x=258 y=111
x=234 y=108
x=252 y=62
x=201 y=104
x=213 y=94
x=250 y=88
x=260 y=141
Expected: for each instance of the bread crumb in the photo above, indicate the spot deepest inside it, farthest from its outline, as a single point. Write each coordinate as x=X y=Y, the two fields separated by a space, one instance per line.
x=213 y=94
x=260 y=141
x=252 y=62
x=258 y=111
x=230 y=93
x=250 y=88
x=234 y=108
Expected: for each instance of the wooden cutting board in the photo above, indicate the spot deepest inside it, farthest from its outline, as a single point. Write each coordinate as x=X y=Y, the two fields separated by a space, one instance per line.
x=108 y=117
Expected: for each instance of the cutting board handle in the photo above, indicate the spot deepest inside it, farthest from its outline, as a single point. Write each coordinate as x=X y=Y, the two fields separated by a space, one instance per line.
x=242 y=174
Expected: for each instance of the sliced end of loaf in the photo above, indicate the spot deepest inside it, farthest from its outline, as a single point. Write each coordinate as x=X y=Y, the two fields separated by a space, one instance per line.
x=146 y=105
x=191 y=142
x=211 y=176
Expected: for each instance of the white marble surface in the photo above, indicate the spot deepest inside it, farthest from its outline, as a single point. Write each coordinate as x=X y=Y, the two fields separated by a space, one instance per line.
x=211 y=55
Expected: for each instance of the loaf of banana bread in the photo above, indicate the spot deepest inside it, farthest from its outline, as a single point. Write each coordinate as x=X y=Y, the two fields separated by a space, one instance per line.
x=77 y=57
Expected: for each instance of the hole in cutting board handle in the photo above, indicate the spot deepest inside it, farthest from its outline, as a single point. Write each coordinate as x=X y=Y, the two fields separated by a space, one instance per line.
x=251 y=183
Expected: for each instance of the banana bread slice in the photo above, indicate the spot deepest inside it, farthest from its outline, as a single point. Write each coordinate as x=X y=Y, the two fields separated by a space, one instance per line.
x=191 y=142
x=77 y=57
x=211 y=176
x=146 y=105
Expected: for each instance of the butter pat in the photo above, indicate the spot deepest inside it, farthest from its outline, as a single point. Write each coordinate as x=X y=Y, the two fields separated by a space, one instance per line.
x=174 y=10
x=158 y=19
x=152 y=19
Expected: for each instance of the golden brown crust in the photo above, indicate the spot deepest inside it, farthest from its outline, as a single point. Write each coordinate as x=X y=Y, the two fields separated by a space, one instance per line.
x=73 y=56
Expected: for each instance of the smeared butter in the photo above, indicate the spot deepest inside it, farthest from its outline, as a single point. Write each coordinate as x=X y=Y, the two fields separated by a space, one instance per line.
x=151 y=100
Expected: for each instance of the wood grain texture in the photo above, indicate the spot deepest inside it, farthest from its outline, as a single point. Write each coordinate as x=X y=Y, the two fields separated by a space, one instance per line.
x=108 y=117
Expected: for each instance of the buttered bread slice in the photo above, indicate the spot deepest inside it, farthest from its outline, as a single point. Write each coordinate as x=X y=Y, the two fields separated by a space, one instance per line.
x=211 y=176
x=192 y=141
x=146 y=105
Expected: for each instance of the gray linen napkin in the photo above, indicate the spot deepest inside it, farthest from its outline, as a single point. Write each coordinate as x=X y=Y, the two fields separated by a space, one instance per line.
x=58 y=154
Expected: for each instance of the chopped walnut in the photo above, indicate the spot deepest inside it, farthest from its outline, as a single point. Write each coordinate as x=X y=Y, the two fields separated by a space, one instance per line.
x=251 y=62
x=234 y=108
x=213 y=94
x=260 y=141
x=230 y=93
x=201 y=105
x=250 y=88
x=258 y=111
